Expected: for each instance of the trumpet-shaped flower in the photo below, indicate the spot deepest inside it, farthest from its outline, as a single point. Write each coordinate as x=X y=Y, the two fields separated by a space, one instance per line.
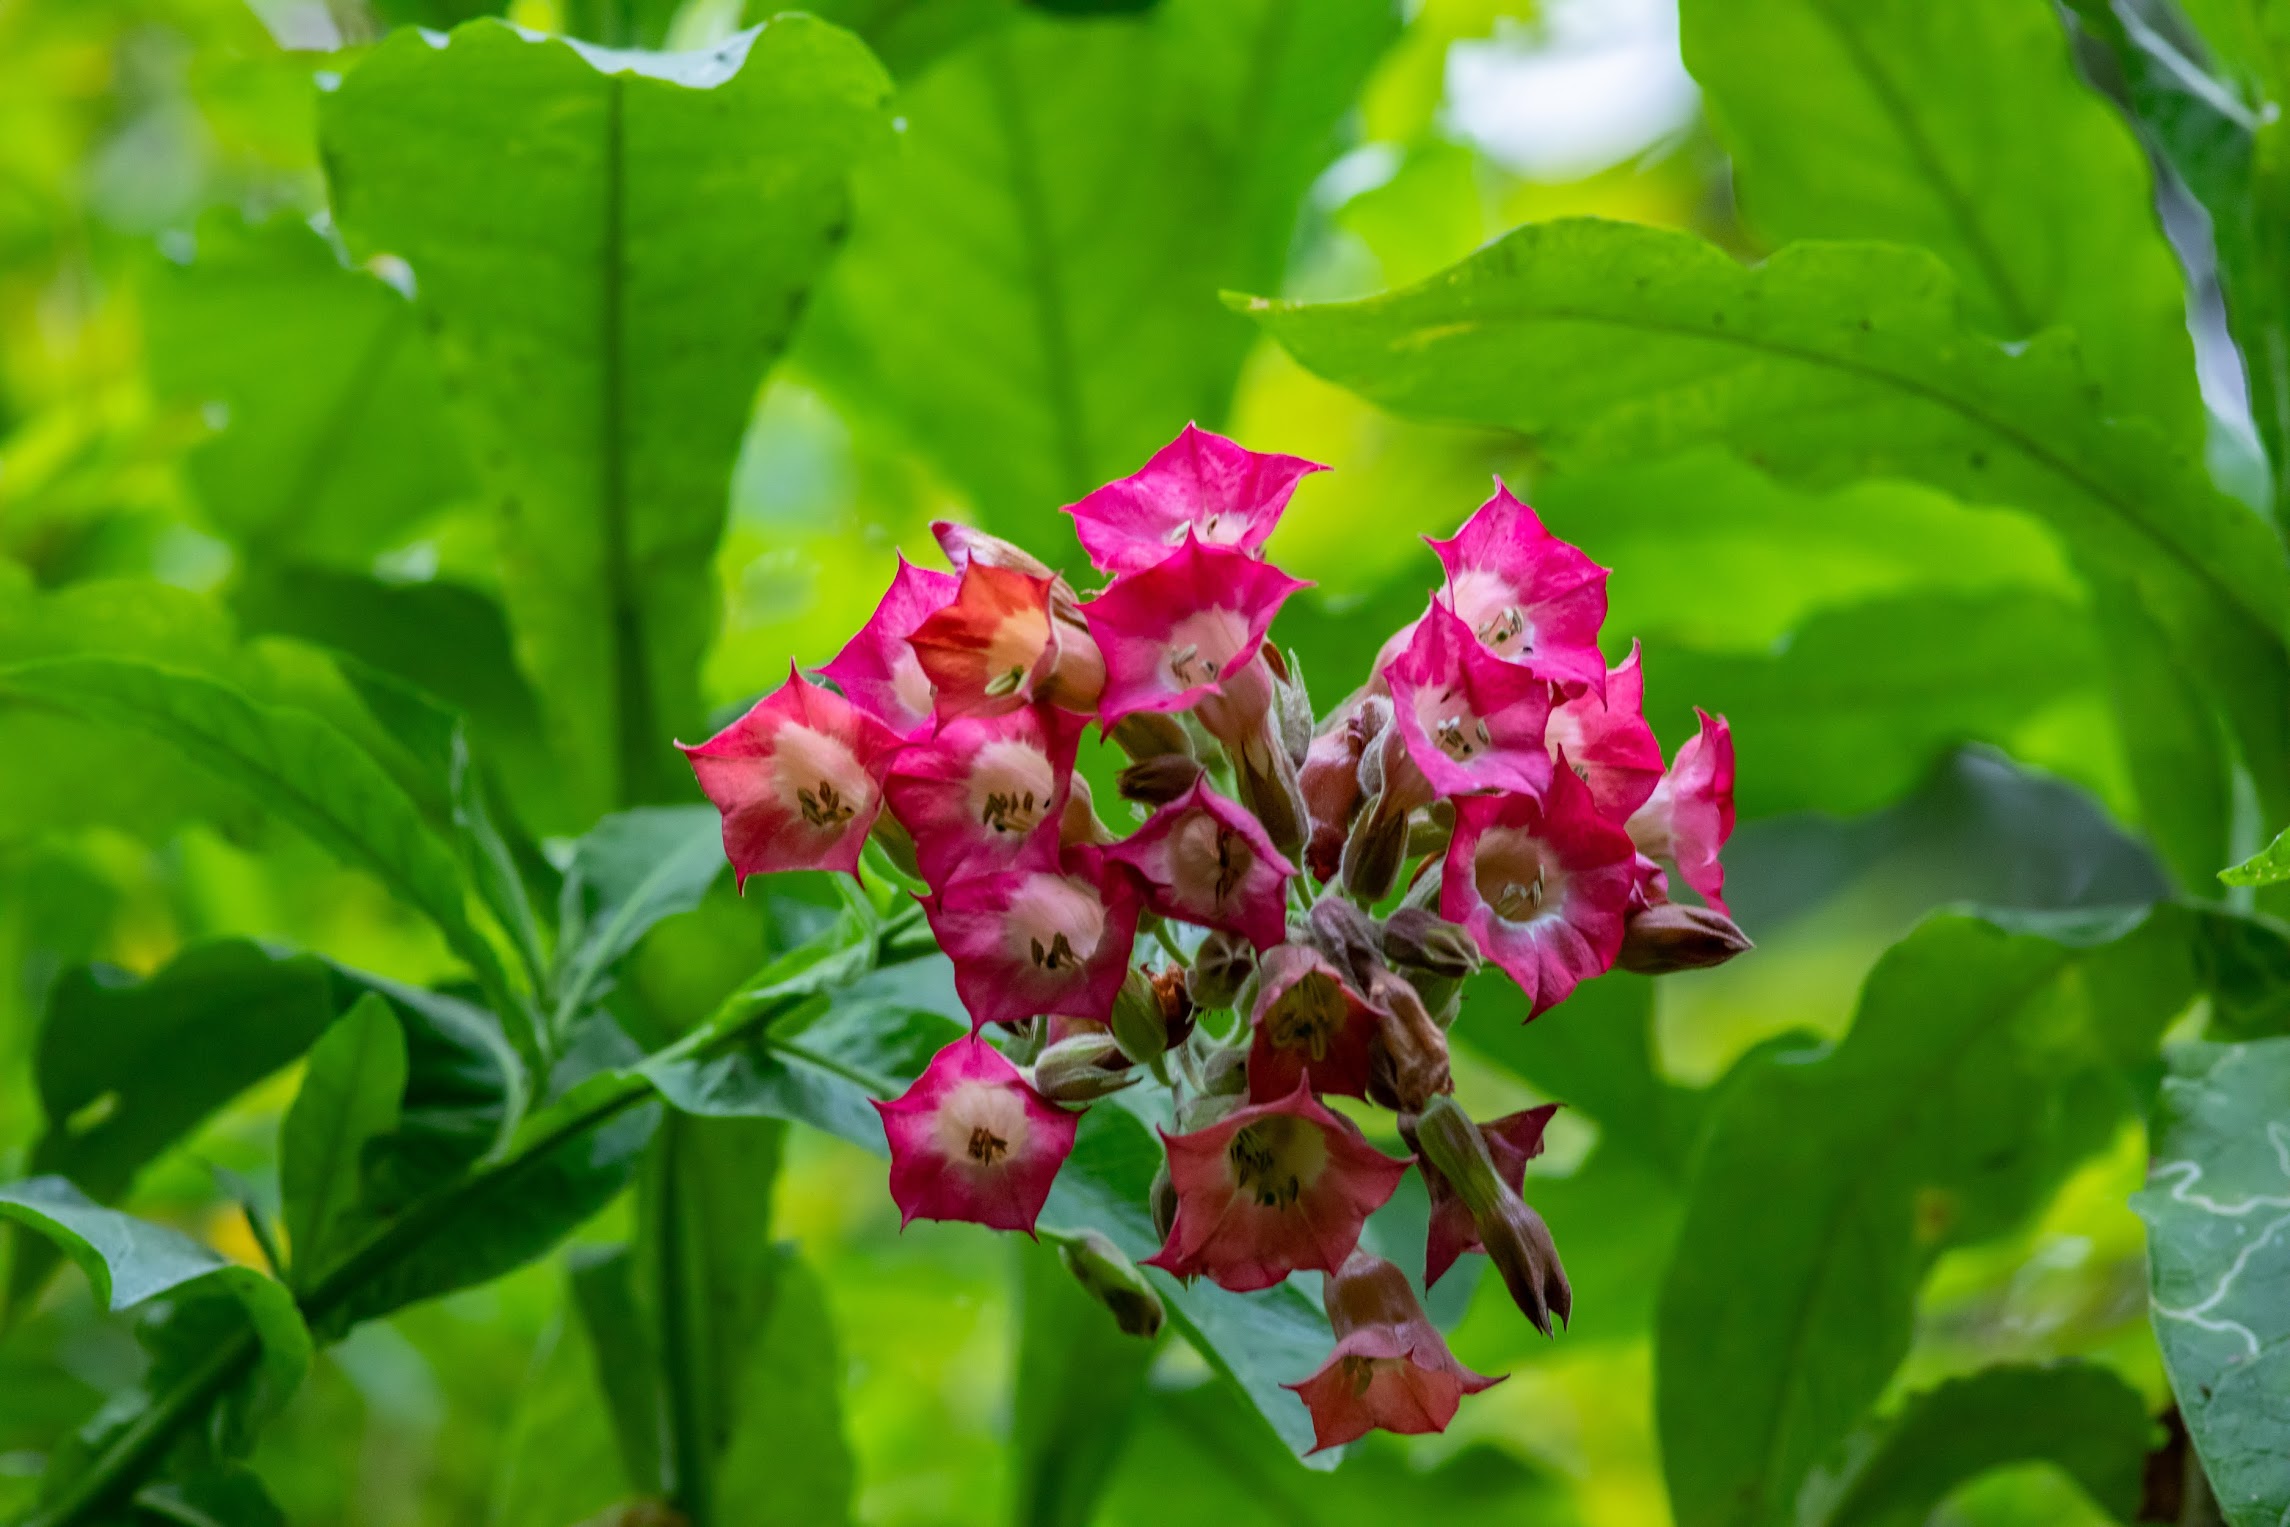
x=987 y=793
x=1470 y=720
x=1607 y=740
x=1689 y=815
x=1512 y=1142
x=999 y=644
x=1529 y=596
x=1174 y=632
x=1033 y=941
x=1270 y=1189
x=798 y=780
x=1206 y=860
x=971 y=1141
x=1543 y=886
x=1311 y=1026
x=1199 y=484
x=876 y=670
x=1391 y=1370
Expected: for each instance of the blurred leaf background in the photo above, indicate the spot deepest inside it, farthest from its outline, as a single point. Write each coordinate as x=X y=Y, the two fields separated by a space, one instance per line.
x=286 y=437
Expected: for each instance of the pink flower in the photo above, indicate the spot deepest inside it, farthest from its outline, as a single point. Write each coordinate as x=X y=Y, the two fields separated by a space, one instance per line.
x=1512 y=1142
x=1205 y=860
x=1543 y=888
x=798 y=780
x=1198 y=483
x=1172 y=633
x=1689 y=815
x=1032 y=941
x=1269 y=1189
x=1391 y=1370
x=1607 y=740
x=1528 y=595
x=876 y=670
x=987 y=792
x=1311 y=1027
x=998 y=644
x=1470 y=720
x=971 y=1141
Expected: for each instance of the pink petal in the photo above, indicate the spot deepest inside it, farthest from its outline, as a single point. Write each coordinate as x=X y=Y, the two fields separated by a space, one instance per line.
x=1198 y=484
x=987 y=793
x=1172 y=633
x=971 y=1141
x=1029 y=942
x=1470 y=720
x=1689 y=815
x=1208 y=861
x=1529 y=596
x=1607 y=740
x=876 y=670
x=1311 y=1028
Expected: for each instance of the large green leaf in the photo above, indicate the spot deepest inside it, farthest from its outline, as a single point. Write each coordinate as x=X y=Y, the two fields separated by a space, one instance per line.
x=1960 y=126
x=2079 y=1417
x=351 y=1094
x=1853 y=710
x=1031 y=290
x=1079 y=1379
x=332 y=440
x=2217 y=1207
x=1981 y=1066
x=296 y=765
x=1826 y=364
x=787 y=1462
x=614 y=248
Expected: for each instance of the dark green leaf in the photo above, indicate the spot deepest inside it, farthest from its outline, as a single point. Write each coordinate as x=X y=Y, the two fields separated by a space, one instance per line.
x=1981 y=1066
x=220 y=1497
x=2217 y=1207
x=787 y=1463
x=628 y=872
x=295 y=764
x=2080 y=1417
x=627 y=1361
x=1079 y=1381
x=563 y=1460
x=1031 y=292
x=351 y=1093
x=332 y=440
x=615 y=248
x=1962 y=127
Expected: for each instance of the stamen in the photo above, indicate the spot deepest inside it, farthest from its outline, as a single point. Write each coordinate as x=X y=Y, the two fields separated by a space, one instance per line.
x=1058 y=956
x=823 y=805
x=986 y=1147
x=1256 y=1170
x=1008 y=811
x=1006 y=683
x=1506 y=625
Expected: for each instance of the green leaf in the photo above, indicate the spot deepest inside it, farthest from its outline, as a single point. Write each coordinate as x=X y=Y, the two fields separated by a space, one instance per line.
x=2080 y=1417
x=1079 y=1381
x=2269 y=866
x=351 y=1093
x=1981 y=1066
x=614 y=248
x=230 y=1496
x=296 y=765
x=331 y=437
x=1960 y=126
x=1826 y=364
x=1030 y=294
x=2217 y=1207
x=627 y=1362
x=628 y=872
x=1853 y=710
x=560 y=1462
x=787 y=1463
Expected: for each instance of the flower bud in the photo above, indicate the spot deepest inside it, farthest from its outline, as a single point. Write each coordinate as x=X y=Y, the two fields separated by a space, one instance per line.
x=1375 y=850
x=1138 y=1025
x=1224 y=1073
x=1162 y=1198
x=1329 y=779
x=1160 y=779
x=1080 y=824
x=1176 y=1003
x=1292 y=707
x=1113 y=1281
x=897 y=844
x=1513 y=1235
x=1082 y=1069
x=1144 y=734
x=1410 y=1062
x=1348 y=938
x=965 y=544
x=1670 y=936
x=1422 y=940
x=1224 y=961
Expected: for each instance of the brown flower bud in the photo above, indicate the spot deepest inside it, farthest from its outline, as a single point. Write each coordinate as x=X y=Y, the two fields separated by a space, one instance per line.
x=964 y=544
x=1348 y=938
x=1082 y=1069
x=1223 y=962
x=1422 y=940
x=1160 y=779
x=1080 y=824
x=1144 y=734
x=1375 y=850
x=1330 y=779
x=1671 y=936
x=1266 y=779
x=1162 y=1197
x=1113 y=1281
x=1410 y=1053
x=1224 y=1074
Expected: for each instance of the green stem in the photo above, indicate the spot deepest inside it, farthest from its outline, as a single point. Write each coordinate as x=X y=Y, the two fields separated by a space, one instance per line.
x=1161 y=934
x=115 y=1472
x=691 y=1485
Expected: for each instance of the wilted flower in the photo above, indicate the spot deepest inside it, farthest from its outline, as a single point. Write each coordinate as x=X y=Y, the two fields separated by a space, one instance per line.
x=1690 y=813
x=1511 y=1141
x=986 y=793
x=1198 y=484
x=1527 y=594
x=1207 y=861
x=1028 y=942
x=877 y=670
x=1176 y=631
x=798 y=780
x=1606 y=738
x=1542 y=886
x=1311 y=1026
x=971 y=1141
x=1269 y=1189
x=1391 y=1370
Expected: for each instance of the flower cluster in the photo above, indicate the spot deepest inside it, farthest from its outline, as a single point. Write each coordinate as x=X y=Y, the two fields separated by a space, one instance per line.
x=1294 y=909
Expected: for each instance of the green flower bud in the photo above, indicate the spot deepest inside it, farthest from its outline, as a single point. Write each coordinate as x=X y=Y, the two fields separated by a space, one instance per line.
x=1223 y=962
x=1150 y=734
x=1082 y=1069
x=1138 y=1025
x=1420 y=939
x=1113 y=1281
